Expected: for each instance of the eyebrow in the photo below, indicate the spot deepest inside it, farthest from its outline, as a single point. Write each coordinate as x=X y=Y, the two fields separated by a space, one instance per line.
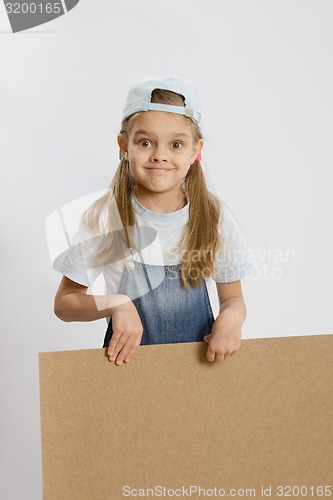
x=144 y=132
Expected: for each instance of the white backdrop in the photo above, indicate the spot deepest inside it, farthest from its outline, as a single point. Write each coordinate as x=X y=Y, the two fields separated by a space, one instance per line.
x=264 y=72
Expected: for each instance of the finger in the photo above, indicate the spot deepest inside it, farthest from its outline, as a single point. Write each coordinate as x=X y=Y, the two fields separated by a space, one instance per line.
x=124 y=352
x=116 y=345
x=117 y=338
x=133 y=350
x=207 y=338
x=112 y=344
x=229 y=354
x=219 y=357
x=210 y=354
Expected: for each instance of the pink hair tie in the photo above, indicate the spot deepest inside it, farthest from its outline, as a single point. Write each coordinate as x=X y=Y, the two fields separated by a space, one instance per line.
x=199 y=157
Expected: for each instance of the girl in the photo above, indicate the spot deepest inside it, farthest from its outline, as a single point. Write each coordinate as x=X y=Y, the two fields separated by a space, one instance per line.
x=158 y=235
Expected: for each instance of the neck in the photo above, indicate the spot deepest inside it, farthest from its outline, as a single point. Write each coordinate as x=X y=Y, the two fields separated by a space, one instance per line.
x=161 y=203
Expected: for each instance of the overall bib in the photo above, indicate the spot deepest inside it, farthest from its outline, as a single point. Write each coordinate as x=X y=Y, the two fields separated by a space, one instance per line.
x=168 y=312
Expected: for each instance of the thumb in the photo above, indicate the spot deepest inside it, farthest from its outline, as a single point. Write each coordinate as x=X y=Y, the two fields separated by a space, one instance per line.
x=207 y=338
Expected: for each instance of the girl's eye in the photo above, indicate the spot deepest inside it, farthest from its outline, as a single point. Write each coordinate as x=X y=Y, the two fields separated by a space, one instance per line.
x=177 y=145
x=145 y=143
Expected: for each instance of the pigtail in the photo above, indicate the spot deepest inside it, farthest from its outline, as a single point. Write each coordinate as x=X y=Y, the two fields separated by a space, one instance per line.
x=123 y=186
x=116 y=211
x=202 y=238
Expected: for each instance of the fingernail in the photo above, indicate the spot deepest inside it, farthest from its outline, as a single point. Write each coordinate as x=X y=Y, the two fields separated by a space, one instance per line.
x=119 y=363
x=112 y=358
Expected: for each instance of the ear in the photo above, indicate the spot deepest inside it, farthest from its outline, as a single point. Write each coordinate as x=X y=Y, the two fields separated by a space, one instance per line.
x=196 y=150
x=122 y=143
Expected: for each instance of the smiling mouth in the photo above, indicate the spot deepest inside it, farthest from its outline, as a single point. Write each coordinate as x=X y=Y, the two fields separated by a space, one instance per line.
x=159 y=169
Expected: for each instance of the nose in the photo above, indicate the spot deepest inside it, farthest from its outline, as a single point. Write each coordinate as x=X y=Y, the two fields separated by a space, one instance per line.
x=159 y=154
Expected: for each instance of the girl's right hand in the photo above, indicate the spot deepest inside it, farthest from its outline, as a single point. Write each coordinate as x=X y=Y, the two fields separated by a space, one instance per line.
x=126 y=333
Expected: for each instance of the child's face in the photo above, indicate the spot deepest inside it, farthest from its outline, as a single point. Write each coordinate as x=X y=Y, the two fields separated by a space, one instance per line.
x=160 y=150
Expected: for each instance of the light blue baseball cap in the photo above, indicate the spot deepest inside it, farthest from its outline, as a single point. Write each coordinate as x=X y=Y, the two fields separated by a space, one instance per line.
x=139 y=97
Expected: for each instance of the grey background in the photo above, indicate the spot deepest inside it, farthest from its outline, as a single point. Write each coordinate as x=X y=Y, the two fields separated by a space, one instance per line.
x=264 y=71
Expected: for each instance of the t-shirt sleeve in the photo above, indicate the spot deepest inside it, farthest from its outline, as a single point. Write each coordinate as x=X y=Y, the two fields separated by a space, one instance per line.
x=76 y=263
x=235 y=260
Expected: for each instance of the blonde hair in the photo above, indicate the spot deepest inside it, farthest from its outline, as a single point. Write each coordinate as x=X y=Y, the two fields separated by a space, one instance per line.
x=201 y=237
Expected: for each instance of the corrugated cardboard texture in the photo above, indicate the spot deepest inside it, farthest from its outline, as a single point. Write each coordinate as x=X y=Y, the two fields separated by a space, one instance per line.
x=170 y=419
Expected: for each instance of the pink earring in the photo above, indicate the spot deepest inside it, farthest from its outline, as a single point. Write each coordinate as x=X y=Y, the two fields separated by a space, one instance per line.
x=199 y=157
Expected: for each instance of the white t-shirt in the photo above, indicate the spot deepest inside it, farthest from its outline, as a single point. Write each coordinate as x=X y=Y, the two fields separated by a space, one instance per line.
x=157 y=236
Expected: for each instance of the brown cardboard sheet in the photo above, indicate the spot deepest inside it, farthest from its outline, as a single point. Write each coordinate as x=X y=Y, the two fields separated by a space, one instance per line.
x=168 y=423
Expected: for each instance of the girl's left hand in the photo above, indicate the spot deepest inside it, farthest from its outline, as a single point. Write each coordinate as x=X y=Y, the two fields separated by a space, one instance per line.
x=225 y=338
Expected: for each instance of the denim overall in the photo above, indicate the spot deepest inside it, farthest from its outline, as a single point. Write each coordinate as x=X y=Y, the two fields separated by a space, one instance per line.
x=168 y=312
